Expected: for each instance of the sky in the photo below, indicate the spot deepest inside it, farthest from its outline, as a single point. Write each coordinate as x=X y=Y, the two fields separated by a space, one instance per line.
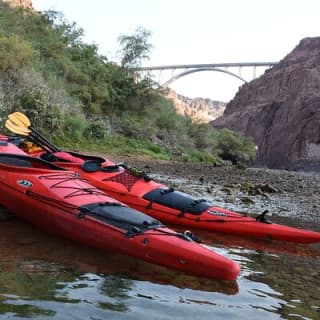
x=197 y=31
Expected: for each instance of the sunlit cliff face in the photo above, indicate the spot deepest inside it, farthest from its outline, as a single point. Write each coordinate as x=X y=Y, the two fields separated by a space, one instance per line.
x=199 y=110
x=17 y=3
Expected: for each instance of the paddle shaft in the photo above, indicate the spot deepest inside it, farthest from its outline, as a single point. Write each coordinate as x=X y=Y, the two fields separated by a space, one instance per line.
x=38 y=142
x=43 y=141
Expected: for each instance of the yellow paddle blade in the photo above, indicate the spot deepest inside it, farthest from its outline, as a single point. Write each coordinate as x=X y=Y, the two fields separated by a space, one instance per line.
x=20 y=119
x=15 y=121
x=16 y=129
x=23 y=118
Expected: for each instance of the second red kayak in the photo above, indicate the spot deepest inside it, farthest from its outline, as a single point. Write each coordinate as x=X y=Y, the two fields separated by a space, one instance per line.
x=171 y=206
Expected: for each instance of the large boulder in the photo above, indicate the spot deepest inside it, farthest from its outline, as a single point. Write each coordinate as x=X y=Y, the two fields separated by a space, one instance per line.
x=281 y=110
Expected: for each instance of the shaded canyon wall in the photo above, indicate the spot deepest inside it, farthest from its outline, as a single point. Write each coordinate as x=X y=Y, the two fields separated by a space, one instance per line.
x=281 y=110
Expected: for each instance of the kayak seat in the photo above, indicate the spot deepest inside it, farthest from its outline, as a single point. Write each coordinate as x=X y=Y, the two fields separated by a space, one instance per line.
x=16 y=162
x=177 y=200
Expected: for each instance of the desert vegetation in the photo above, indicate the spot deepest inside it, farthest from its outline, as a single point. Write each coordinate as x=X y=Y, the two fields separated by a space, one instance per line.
x=81 y=100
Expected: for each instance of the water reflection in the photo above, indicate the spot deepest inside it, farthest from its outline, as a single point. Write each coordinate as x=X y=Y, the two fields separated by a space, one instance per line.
x=45 y=277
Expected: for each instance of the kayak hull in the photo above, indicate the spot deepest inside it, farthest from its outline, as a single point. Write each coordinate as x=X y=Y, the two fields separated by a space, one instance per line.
x=59 y=202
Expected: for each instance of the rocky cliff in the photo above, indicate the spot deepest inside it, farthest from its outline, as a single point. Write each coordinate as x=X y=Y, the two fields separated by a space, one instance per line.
x=281 y=110
x=198 y=109
x=17 y=3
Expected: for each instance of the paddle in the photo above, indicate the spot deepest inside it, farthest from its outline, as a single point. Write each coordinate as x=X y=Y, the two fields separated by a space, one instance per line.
x=21 y=121
x=20 y=124
x=25 y=132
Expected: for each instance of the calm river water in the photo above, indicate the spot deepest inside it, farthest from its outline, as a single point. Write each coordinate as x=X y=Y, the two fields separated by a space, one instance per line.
x=46 y=277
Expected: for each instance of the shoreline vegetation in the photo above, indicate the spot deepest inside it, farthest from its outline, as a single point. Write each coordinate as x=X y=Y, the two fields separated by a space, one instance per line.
x=79 y=98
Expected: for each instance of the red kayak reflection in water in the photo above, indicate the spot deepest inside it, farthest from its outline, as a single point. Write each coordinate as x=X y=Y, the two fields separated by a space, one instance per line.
x=22 y=242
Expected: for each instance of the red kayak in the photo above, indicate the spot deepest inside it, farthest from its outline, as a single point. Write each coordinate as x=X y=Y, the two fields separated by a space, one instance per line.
x=168 y=205
x=61 y=202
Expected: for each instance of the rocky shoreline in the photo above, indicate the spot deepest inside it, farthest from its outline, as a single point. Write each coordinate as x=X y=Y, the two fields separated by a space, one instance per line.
x=290 y=197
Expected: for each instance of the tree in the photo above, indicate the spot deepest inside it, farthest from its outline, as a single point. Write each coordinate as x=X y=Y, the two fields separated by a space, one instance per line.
x=134 y=48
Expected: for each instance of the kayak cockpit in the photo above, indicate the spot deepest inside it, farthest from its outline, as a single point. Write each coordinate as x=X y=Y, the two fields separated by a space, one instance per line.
x=24 y=161
x=120 y=216
x=177 y=200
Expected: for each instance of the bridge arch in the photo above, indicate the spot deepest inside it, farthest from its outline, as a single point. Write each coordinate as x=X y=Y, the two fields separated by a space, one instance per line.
x=185 y=73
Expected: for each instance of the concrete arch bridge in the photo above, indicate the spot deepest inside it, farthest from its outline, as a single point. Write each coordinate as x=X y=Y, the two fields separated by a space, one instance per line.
x=234 y=69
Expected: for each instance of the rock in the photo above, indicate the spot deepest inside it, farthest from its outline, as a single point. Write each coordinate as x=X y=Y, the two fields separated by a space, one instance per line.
x=226 y=190
x=280 y=110
x=268 y=188
x=229 y=199
x=247 y=186
x=257 y=189
x=208 y=190
x=247 y=200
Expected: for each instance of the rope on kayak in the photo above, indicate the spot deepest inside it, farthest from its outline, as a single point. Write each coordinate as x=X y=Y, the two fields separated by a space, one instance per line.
x=69 y=208
x=125 y=178
x=65 y=206
x=135 y=171
x=144 y=230
x=186 y=235
x=133 y=229
x=78 y=191
x=128 y=177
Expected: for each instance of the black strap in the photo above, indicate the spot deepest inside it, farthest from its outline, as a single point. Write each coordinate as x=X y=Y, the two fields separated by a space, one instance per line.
x=261 y=217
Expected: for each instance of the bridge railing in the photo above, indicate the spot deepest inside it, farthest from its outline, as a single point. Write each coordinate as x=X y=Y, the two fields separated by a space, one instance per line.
x=207 y=65
x=200 y=67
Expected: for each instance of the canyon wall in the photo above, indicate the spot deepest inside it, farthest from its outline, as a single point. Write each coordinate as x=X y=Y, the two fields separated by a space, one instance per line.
x=198 y=109
x=281 y=110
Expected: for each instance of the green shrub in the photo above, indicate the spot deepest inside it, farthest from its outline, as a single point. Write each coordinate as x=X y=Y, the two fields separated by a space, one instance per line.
x=97 y=129
x=74 y=127
x=234 y=147
x=201 y=135
x=44 y=116
x=16 y=53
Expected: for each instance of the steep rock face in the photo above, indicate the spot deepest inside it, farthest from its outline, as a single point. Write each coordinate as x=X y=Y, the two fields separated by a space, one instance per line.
x=17 y=3
x=198 y=109
x=281 y=110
